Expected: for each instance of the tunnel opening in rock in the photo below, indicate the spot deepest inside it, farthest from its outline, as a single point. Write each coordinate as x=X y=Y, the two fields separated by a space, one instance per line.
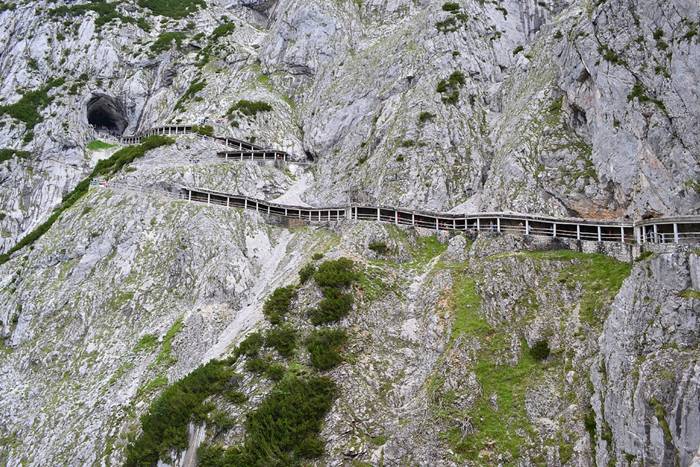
x=107 y=114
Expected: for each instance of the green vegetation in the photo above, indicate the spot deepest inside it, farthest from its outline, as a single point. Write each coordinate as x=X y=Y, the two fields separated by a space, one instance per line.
x=104 y=168
x=175 y=9
x=425 y=117
x=324 y=347
x=191 y=92
x=306 y=273
x=106 y=12
x=518 y=49
x=336 y=273
x=251 y=345
x=452 y=23
x=284 y=429
x=166 y=39
x=599 y=276
x=96 y=145
x=378 y=247
x=690 y=294
x=164 y=426
x=540 y=350
x=222 y=30
x=248 y=108
x=146 y=343
x=205 y=130
x=502 y=428
x=277 y=305
x=449 y=87
x=317 y=256
x=28 y=108
x=7 y=153
x=283 y=339
x=7 y=7
x=334 y=306
x=165 y=356
x=660 y=414
x=609 y=55
x=639 y=92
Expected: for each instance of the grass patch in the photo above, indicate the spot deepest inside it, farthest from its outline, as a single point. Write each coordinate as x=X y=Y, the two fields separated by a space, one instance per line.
x=425 y=117
x=690 y=294
x=147 y=343
x=105 y=167
x=503 y=428
x=324 y=346
x=278 y=303
x=204 y=130
x=222 y=30
x=449 y=87
x=306 y=273
x=97 y=145
x=599 y=276
x=165 y=355
x=378 y=247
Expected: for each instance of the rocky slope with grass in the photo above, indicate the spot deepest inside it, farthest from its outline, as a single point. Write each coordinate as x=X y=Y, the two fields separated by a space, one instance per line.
x=138 y=328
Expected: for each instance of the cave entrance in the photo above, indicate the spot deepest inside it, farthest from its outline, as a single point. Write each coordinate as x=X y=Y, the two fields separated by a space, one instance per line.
x=107 y=114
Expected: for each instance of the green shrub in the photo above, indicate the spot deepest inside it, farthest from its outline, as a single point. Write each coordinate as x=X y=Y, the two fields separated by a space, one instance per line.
x=235 y=397
x=206 y=130
x=249 y=108
x=7 y=6
x=306 y=273
x=257 y=365
x=540 y=350
x=449 y=87
x=166 y=39
x=251 y=345
x=175 y=9
x=222 y=30
x=332 y=308
x=275 y=371
x=378 y=247
x=518 y=49
x=164 y=426
x=317 y=256
x=28 y=108
x=277 y=305
x=283 y=339
x=336 y=273
x=146 y=343
x=192 y=90
x=324 y=347
x=450 y=6
x=6 y=154
x=425 y=117
x=106 y=12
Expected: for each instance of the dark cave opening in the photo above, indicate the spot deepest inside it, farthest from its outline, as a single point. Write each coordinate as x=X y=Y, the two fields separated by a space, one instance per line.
x=106 y=113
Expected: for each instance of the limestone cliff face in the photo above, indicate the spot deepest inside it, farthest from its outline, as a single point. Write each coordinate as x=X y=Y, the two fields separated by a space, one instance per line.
x=576 y=107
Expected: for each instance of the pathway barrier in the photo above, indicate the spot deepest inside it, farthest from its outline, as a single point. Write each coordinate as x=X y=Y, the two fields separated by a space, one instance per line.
x=684 y=229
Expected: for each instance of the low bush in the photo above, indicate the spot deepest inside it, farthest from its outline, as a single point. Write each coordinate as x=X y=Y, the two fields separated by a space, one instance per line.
x=324 y=348
x=222 y=30
x=334 y=306
x=277 y=305
x=206 y=130
x=317 y=256
x=166 y=39
x=449 y=87
x=249 y=108
x=306 y=273
x=192 y=91
x=336 y=273
x=235 y=397
x=283 y=339
x=378 y=247
x=540 y=350
x=175 y=9
x=257 y=365
x=164 y=426
x=425 y=117
x=106 y=12
x=6 y=154
x=251 y=345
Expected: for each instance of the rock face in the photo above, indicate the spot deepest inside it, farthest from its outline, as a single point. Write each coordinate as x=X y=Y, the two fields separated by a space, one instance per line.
x=559 y=107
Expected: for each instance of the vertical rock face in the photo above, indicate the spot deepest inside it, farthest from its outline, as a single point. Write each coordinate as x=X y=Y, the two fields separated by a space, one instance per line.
x=560 y=107
x=646 y=391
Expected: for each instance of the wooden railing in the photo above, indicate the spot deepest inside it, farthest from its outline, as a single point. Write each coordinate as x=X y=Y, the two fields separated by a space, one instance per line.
x=664 y=230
